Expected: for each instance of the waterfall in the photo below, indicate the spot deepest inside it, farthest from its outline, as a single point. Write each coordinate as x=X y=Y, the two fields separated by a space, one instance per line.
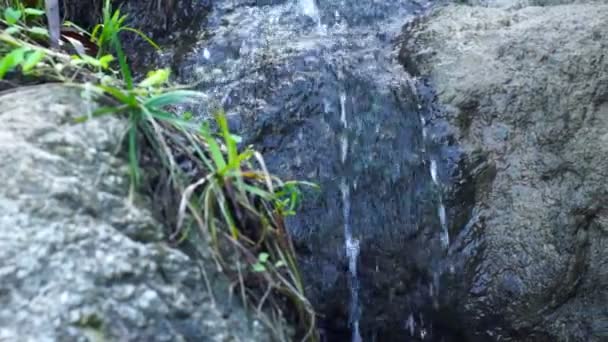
x=351 y=244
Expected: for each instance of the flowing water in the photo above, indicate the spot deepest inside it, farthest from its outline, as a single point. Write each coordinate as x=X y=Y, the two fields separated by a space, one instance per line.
x=445 y=236
x=316 y=86
x=351 y=244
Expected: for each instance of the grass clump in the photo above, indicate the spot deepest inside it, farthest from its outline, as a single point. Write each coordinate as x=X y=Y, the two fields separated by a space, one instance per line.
x=224 y=194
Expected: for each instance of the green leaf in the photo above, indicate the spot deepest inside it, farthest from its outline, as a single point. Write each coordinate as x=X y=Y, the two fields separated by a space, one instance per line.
x=85 y=59
x=237 y=138
x=155 y=78
x=38 y=30
x=12 y=30
x=257 y=267
x=187 y=116
x=116 y=17
x=32 y=59
x=11 y=60
x=263 y=257
x=122 y=19
x=33 y=11
x=12 y=15
x=95 y=33
x=105 y=61
x=280 y=263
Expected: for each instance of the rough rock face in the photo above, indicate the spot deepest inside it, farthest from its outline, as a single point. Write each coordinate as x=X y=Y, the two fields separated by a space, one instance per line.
x=515 y=4
x=77 y=261
x=319 y=91
x=526 y=93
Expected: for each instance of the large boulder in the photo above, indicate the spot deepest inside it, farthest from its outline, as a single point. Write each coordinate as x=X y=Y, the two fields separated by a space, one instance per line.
x=78 y=260
x=526 y=93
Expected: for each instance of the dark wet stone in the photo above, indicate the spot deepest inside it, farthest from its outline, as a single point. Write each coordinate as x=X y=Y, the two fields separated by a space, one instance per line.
x=285 y=84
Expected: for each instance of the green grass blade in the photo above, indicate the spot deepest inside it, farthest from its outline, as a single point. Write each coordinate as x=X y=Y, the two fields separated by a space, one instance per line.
x=214 y=150
x=208 y=213
x=228 y=139
x=172 y=98
x=119 y=95
x=221 y=199
x=169 y=117
x=199 y=152
x=122 y=61
x=96 y=31
x=142 y=35
x=258 y=192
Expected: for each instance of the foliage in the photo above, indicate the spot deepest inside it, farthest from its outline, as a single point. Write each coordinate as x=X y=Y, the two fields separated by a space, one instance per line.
x=226 y=194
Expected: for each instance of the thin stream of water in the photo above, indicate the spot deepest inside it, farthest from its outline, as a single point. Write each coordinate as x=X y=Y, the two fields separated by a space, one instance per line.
x=441 y=211
x=351 y=243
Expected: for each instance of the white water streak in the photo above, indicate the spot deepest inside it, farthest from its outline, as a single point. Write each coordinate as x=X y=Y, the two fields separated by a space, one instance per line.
x=350 y=243
x=445 y=235
x=434 y=171
x=309 y=8
x=343 y=136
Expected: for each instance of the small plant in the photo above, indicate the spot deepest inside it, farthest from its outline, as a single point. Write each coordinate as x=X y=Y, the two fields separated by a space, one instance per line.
x=260 y=265
x=227 y=194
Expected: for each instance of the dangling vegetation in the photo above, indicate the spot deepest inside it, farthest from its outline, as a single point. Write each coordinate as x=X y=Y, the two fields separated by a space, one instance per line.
x=223 y=194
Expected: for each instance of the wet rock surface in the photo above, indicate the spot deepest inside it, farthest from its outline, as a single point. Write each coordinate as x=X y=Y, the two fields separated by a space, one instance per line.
x=78 y=261
x=525 y=91
x=317 y=88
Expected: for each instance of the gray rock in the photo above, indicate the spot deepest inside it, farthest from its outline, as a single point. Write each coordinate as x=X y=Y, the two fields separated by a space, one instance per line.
x=526 y=93
x=78 y=261
x=517 y=4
